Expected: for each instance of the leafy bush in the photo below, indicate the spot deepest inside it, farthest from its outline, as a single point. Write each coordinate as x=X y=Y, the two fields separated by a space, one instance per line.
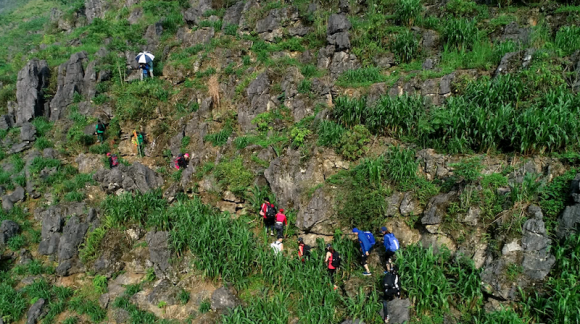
x=299 y=135
x=461 y=8
x=220 y=138
x=408 y=11
x=233 y=175
x=231 y=30
x=401 y=165
x=468 y=169
x=405 y=46
x=353 y=144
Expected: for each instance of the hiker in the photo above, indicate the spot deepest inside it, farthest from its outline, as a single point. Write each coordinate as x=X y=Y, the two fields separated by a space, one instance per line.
x=366 y=241
x=113 y=160
x=138 y=141
x=277 y=246
x=333 y=260
x=391 y=289
x=303 y=250
x=100 y=130
x=281 y=222
x=268 y=212
x=391 y=245
x=146 y=70
x=181 y=161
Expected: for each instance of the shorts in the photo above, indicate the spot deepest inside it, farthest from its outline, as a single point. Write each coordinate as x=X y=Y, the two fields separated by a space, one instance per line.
x=364 y=258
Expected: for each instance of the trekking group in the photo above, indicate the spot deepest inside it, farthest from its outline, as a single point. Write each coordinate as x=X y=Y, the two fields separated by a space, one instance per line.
x=276 y=219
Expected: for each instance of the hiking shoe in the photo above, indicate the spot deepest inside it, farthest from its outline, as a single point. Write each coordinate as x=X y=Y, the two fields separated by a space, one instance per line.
x=387 y=319
x=271 y=233
x=366 y=273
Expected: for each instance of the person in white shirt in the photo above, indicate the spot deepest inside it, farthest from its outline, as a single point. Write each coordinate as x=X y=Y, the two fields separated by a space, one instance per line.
x=277 y=246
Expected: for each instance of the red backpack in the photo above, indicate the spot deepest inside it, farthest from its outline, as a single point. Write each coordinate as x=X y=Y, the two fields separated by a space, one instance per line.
x=114 y=160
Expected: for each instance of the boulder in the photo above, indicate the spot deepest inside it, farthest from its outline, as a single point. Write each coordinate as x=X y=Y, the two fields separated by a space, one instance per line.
x=164 y=291
x=337 y=32
x=514 y=61
x=136 y=177
x=430 y=41
x=513 y=32
x=17 y=195
x=27 y=132
x=36 y=312
x=569 y=221
x=436 y=209
x=32 y=80
x=202 y=36
x=8 y=230
x=341 y=62
x=269 y=28
x=538 y=260
x=222 y=300
x=70 y=81
x=194 y=15
x=398 y=310
x=233 y=15
x=445 y=84
x=158 y=243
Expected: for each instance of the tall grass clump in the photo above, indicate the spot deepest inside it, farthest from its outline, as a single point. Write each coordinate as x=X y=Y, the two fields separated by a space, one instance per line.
x=405 y=46
x=408 y=11
x=435 y=281
x=460 y=33
x=568 y=39
x=360 y=77
x=329 y=133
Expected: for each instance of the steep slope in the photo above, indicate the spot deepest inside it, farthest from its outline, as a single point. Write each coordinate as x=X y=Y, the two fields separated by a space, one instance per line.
x=455 y=124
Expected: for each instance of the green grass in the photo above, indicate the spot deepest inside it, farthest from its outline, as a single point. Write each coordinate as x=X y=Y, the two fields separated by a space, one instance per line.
x=360 y=77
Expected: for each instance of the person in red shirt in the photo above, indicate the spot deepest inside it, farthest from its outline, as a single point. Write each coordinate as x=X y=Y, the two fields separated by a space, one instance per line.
x=303 y=250
x=328 y=259
x=281 y=222
x=269 y=217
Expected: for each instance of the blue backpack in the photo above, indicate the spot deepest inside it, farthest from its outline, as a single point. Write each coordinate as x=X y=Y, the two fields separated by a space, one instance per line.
x=370 y=238
x=393 y=242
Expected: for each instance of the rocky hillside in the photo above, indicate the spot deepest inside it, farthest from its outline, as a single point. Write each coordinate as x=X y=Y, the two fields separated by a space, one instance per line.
x=454 y=123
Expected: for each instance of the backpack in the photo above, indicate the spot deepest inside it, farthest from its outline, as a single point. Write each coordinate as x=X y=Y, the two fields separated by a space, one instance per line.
x=306 y=250
x=270 y=212
x=114 y=160
x=100 y=127
x=335 y=260
x=370 y=238
x=390 y=281
x=393 y=242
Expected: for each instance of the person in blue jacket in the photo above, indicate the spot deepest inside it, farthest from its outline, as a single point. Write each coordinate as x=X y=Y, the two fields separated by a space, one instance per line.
x=391 y=245
x=365 y=248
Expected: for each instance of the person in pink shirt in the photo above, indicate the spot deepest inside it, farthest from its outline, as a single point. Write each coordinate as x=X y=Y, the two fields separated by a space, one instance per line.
x=281 y=222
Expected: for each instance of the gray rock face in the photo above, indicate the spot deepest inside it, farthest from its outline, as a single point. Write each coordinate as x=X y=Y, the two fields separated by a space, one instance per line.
x=341 y=62
x=95 y=9
x=70 y=80
x=8 y=230
x=436 y=209
x=194 y=14
x=337 y=31
x=222 y=299
x=318 y=211
x=27 y=132
x=514 y=33
x=52 y=222
x=191 y=38
x=537 y=257
x=233 y=14
x=32 y=80
x=569 y=221
x=136 y=177
x=258 y=94
x=8 y=201
x=514 y=61
x=445 y=84
x=164 y=291
x=159 y=252
x=72 y=236
x=6 y=122
x=36 y=312
x=430 y=41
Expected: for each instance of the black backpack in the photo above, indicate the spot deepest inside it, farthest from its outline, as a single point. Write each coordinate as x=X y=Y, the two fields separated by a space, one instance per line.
x=335 y=260
x=100 y=127
x=270 y=212
x=306 y=250
x=391 y=283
